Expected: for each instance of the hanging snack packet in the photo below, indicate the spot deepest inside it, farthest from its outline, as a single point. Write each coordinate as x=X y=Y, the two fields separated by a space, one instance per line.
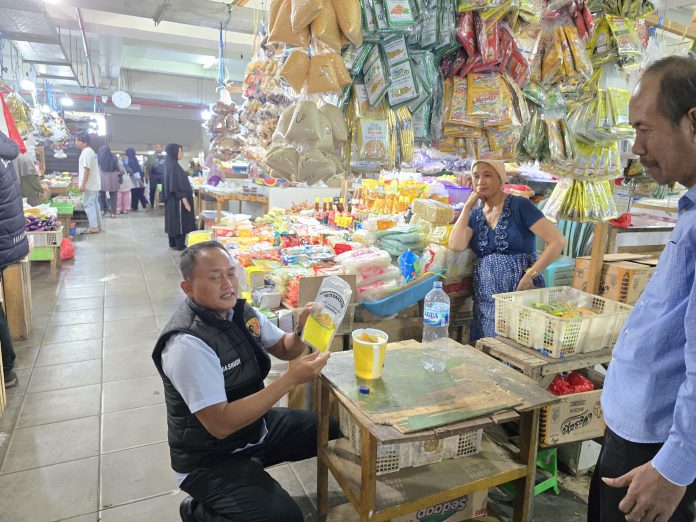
x=326 y=142
x=399 y=13
x=305 y=124
x=338 y=123
x=284 y=160
x=376 y=80
x=343 y=77
x=484 y=97
x=282 y=29
x=328 y=311
x=373 y=140
x=396 y=51
x=322 y=75
x=403 y=88
x=295 y=69
x=304 y=12
x=349 y=15
x=325 y=27
x=582 y=62
x=314 y=166
x=354 y=58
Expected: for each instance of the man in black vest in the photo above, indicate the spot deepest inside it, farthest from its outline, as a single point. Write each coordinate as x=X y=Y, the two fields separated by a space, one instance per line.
x=223 y=428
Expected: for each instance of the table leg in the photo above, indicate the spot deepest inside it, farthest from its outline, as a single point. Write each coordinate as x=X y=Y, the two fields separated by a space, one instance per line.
x=368 y=475
x=529 y=441
x=322 y=405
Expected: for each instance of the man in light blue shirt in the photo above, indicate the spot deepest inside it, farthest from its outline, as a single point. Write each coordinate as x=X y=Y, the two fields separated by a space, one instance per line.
x=647 y=467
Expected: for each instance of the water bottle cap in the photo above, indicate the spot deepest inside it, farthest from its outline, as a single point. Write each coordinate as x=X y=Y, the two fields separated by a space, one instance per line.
x=437 y=284
x=364 y=390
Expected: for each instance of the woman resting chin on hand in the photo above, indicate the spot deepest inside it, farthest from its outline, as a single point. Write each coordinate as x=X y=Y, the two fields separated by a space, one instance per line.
x=502 y=232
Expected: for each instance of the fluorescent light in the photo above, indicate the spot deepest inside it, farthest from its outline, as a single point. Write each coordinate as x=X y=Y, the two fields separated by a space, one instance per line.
x=52 y=1
x=209 y=61
x=28 y=85
x=67 y=101
x=206 y=114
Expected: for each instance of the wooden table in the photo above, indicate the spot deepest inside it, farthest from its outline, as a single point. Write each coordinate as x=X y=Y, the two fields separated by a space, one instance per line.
x=536 y=365
x=220 y=199
x=399 y=493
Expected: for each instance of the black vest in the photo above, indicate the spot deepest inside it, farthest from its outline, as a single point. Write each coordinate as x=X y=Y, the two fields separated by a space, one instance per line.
x=245 y=364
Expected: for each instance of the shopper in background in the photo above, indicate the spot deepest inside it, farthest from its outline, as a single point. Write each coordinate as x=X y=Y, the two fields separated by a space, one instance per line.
x=14 y=245
x=123 y=198
x=155 y=172
x=647 y=466
x=502 y=232
x=132 y=166
x=90 y=181
x=29 y=184
x=223 y=429
x=111 y=168
x=179 y=219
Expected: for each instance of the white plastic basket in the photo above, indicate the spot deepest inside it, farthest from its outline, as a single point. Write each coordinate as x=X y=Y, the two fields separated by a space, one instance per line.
x=517 y=319
x=393 y=457
x=47 y=239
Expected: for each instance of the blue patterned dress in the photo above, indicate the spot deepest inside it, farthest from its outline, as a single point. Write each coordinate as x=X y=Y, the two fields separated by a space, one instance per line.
x=504 y=254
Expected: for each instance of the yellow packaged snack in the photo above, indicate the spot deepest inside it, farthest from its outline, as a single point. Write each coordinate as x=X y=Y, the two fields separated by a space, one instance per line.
x=568 y=61
x=484 y=100
x=325 y=27
x=322 y=75
x=349 y=15
x=373 y=140
x=342 y=75
x=283 y=32
x=458 y=112
x=295 y=69
x=304 y=12
x=582 y=62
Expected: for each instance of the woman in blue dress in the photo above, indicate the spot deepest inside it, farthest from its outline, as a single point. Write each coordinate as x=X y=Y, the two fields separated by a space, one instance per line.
x=502 y=232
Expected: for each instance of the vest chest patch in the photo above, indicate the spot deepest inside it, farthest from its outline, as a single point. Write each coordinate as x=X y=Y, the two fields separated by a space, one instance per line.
x=231 y=365
x=254 y=327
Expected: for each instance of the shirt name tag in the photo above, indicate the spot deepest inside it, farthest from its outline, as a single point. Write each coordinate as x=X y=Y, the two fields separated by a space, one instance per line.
x=231 y=365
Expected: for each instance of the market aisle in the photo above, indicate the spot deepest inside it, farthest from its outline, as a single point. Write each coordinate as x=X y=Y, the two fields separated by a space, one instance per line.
x=86 y=428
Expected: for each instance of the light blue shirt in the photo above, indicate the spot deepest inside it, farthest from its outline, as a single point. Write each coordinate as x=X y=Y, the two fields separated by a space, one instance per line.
x=195 y=371
x=650 y=390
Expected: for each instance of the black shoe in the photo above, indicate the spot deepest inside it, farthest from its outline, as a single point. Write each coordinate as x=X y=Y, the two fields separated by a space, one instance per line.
x=186 y=509
x=11 y=379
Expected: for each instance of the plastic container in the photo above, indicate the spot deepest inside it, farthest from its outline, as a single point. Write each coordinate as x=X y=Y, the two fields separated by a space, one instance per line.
x=368 y=355
x=561 y=272
x=458 y=194
x=517 y=319
x=404 y=298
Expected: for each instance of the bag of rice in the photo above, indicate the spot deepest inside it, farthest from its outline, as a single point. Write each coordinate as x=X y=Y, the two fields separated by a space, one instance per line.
x=282 y=30
x=322 y=75
x=326 y=142
x=284 y=160
x=304 y=12
x=338 y=122
x=314 y=167
x=305 y=124
x=349 y=17
x=295 y=69
x=325 y=28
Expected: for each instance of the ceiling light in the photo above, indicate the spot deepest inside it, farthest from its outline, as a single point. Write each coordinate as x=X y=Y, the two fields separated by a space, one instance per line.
x=161 y=10
x=52 y=1
x=67 y=101
x=28 y=85
x=209 y=61
x=206 y=114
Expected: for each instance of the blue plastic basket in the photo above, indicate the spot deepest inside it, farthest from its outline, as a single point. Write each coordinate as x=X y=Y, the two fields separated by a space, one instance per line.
x=408 y=295
x=560 y=272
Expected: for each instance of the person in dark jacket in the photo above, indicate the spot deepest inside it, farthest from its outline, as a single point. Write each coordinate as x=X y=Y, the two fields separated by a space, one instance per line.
x=14 y=245
x=179 y=219
x=132 y=166
x=155 y=172
x=222 y=427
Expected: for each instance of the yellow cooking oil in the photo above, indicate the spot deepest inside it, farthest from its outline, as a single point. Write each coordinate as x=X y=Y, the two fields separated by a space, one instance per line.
x=318 y=331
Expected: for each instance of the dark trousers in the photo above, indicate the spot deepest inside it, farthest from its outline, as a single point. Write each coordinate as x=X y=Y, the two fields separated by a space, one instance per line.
x=8 y=353
x=240 y=489
x=618 y=457
x=155 y=179
x=138 y=196
x=111 y=207
x=178 y=242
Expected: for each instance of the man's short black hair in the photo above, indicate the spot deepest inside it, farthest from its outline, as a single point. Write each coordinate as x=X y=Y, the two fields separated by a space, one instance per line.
x=84 y=137
x=188 y=256
x=677 y=96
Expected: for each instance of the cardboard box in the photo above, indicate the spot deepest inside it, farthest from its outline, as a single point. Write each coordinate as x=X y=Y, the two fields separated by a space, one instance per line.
x=575 y=417
x=309 y=288
x=624 y=276
x=456 y=510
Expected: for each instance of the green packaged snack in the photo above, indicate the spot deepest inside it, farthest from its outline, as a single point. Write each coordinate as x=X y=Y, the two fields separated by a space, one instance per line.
x=380 y=15
x=427 y=36
x=369 y=19
x=395 y=50
x=403 y=88
x=376 y=80
x=399 y=13
x=355 y=58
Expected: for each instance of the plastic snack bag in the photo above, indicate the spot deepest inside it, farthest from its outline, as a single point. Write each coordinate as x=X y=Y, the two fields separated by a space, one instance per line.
x=304 y=12
x=282 y=31
x=349 y=15
x=325 y=27
x=328 y=311
x=295 y=69
x=305 y=124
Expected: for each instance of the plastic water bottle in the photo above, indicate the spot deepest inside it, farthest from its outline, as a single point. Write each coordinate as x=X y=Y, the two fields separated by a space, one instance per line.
x=435 y=327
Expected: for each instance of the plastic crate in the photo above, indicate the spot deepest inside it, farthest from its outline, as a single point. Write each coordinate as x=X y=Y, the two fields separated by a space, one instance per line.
x=560 y=272
x=47 y=239
x=517 y=319
x=64 y=209
x=405 y=297
x=42 y=253
x=393 y=457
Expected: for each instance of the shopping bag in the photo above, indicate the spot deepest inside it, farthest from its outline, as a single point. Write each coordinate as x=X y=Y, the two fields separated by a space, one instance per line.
x=67 y=249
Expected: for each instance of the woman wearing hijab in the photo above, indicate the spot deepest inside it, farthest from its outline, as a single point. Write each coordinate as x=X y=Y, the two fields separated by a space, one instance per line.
x=135 y=170
x=110 y=167
x=179 y=219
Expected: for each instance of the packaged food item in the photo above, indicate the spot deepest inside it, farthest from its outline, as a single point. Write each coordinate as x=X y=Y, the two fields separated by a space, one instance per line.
x=433 y=211
x=322 y=75
x=338 y=122
x=314 y=166
x=399 y=13
x=284 y=160
x=395 y=50
x=283 y=124
x=326 y=141
x=349 y=15
x=325 y=27
x=305 y=124
x=376 y=80
x=304 y=12
x=295 y=69
x=343 y=77
x=283 y=32
x=403 y=86
x=373 y=140
x=328 y=311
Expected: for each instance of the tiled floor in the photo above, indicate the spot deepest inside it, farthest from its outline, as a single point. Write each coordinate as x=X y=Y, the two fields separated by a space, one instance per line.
x=83 y=437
